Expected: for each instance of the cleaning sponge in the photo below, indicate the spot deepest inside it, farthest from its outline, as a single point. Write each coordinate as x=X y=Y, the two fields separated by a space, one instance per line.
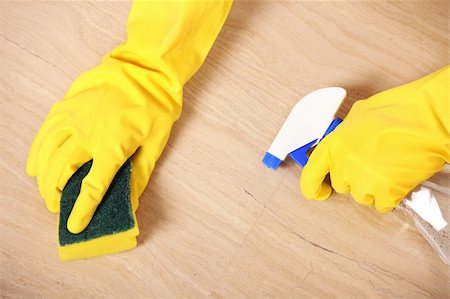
x=113 y=227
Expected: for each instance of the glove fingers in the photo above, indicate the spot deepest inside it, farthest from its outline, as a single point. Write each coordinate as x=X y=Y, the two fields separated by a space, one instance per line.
x=141 y=171
x=53 y=140
x=50 y=122
x=363 y=198
x=312 y=178
x=93 y=188
x=387 y=202
x=79 y=157
x=340 y=185
x=144 y=160
x=382 y=207
x=63 y=163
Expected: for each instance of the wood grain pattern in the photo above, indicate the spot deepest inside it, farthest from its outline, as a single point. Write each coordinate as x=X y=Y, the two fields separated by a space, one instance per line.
x=214 y=222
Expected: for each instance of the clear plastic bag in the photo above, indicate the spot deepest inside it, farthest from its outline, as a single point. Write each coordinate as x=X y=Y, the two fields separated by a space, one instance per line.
x=438 y=239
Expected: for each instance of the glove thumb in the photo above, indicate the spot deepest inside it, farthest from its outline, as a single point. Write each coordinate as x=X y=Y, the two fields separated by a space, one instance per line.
x=312 y=183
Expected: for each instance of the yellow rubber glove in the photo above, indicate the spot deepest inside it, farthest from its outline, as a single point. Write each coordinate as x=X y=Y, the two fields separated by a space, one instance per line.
x=386 y=146
x=126 y=106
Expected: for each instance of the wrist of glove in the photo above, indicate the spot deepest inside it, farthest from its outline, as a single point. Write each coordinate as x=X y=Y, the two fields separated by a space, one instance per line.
x=386 y=146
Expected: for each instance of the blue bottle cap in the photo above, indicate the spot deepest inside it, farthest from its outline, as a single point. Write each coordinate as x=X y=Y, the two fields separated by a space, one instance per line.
x=271 y=161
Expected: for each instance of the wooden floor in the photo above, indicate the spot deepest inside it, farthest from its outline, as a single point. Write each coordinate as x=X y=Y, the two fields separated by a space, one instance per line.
x=214 y=221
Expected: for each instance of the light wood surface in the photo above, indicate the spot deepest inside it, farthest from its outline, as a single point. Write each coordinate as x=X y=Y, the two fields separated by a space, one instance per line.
x=214 y=221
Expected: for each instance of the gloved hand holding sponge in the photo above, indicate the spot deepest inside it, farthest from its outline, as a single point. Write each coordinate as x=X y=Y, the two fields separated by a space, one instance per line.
x=386 y=146
x=126 y=106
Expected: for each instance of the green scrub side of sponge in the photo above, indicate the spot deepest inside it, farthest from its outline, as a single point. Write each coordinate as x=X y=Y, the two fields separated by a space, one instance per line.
x=113 y=215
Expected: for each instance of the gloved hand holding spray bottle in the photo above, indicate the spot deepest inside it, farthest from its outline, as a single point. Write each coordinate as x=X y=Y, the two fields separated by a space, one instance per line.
x=386 y=146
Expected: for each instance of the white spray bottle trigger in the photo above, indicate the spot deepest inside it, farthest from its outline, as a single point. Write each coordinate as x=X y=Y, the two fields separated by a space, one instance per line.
x=311 y=119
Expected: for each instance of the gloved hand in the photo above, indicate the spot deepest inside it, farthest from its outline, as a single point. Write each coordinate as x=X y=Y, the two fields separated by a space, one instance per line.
x=386 y=146
x=126 y=106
